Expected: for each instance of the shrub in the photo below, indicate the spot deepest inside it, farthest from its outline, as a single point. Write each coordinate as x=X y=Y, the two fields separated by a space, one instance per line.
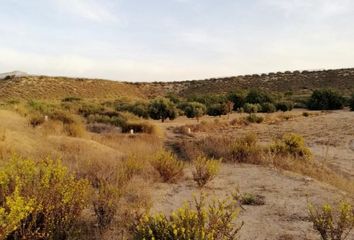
x=326 y=99
x=105 y=203
x=257 y=96
x=39 y=200
x=36 y=119
x=252 y=108
x=305 y=114
x=332 y=224
x=72 y=124
x=217 y=221
x=351 y=103
x=205 y=170
x=291 y=144
x=246 y=150
x=254 y=118
x=217 y=109
x=140 y=109
x=90 y=109
x=252 y=199
x=285 y=106
x=194 y=109
x=268 y=107
x=238 y=99
x=161 y=109
x=71 y=99
x=41 y=107
x=168 y=166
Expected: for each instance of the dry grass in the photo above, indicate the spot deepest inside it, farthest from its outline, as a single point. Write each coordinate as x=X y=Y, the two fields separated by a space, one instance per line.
x=247 y=150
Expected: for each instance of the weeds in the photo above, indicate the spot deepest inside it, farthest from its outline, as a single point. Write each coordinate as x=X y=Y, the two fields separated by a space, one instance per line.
x=216 y=221
x=205 y=170
x=167 y=165
x=332 y=224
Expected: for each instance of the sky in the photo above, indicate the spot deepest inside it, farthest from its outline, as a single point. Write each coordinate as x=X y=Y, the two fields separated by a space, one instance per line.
x=168 y=40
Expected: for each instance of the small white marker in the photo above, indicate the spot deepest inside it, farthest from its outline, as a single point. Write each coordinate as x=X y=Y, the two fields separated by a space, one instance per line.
x=131 y=131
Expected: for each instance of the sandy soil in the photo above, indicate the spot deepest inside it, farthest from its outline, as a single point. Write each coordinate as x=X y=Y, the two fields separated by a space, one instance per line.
x=286 y=199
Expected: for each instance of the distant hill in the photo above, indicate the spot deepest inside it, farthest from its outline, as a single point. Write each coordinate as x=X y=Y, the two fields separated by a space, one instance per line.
x=13 y=74
x=44 y=87
x=297 y=82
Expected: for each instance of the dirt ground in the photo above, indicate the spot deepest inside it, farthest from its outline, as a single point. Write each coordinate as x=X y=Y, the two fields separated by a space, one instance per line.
x=330 y=136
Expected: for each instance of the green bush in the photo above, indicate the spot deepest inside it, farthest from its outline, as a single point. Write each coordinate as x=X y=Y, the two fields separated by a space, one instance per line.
x=332 y=224
x=168 y=166
x=216 y=221
x=257 y=96
x=252 y=108
x=268 y=108
x=39 y=200
x=238 y=99
x=205 y=170
x=254 y=118
x=162 y=109
x=291 y=144
x=217 y=109
x=193 y=109
x=326 y=99
x=284 y=106
x=140 y=109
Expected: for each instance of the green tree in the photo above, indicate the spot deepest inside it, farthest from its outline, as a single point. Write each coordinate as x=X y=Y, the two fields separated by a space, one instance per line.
x=257 y=96
x=194 y=110
x=237 y=98
x=326 y=99
x=217 y=109
x=162 y=108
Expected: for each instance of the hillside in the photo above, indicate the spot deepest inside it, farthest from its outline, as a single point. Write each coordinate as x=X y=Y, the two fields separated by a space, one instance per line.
x=43 y=87
x=299 y=82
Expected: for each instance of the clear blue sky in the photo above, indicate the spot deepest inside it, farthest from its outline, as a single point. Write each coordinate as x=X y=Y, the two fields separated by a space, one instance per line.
x=168 y=40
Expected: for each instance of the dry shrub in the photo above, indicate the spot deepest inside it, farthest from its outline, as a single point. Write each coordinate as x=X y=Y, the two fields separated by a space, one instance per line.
x=333 y=224
x=291 y=144
x=75 y=129
x=140 y=145
x=36 y=119
x=247 y=150
x=205 y=170
x=216 y=221
x=167 y=165
x=203 y=126
x=254 y=118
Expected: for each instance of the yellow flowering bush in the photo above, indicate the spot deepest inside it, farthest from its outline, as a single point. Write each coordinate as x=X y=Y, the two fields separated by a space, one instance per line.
x=333 y=224
x=291 y=144
x=205 y=170
x=213 y=222
x=168 y=166
x=39 y=200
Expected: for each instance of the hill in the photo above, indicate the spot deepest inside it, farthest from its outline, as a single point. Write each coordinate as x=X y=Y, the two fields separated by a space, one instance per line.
x=44 y=87
x=13 y=74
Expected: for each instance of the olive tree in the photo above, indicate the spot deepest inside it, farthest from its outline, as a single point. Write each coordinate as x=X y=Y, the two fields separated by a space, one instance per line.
x=161 y=109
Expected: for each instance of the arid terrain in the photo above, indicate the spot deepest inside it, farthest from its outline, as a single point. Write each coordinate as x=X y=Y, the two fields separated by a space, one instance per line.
x=286 y=194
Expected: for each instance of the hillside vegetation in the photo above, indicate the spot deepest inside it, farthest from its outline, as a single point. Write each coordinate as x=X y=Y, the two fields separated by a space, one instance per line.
x=300 y=83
